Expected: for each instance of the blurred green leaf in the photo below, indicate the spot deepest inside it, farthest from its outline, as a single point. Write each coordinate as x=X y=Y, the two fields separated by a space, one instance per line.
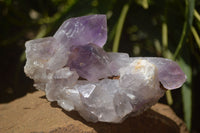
x=189 y=10
x=186 y=89
x=187 y=92
x=143 y=3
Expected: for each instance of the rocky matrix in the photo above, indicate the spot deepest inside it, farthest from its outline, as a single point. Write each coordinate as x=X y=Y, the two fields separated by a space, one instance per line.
x=74 y=70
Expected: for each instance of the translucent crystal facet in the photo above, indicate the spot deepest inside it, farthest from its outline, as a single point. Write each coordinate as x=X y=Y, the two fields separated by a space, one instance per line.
x=74 y=70
x=89 y=61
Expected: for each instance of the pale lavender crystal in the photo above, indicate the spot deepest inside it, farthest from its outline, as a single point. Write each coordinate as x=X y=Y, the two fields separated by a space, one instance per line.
x=38 y=54
x=118 y=60
x=89 y=61
x=97 y=99
x=57 y=63
x=170 y=74
x=60 y=79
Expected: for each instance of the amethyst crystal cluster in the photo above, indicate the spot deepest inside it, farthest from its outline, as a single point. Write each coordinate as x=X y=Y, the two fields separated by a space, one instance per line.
x=74 y=70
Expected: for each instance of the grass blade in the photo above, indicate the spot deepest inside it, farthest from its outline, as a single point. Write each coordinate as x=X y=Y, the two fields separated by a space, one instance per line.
x=197 y=16
x=196 y=36
x=119 y=27
x=187 y=93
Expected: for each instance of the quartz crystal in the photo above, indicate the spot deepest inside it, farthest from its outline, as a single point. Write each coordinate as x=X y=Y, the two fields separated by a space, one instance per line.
x=89 y=61
x=74 y=70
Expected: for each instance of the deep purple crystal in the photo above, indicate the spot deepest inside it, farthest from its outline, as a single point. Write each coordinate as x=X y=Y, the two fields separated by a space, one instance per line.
x=89 y=61
x=83 y=30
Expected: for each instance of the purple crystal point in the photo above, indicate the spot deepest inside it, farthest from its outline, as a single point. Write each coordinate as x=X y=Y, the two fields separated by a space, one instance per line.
x=83 y=30
x=89 y=61
x=170 y=74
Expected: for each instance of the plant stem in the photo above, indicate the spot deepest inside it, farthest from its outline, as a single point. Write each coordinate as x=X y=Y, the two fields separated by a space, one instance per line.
x=196 y=36
x=164 y=36
x=169 y=97
x=196 y=14
x=166 y=54
x=119 y=27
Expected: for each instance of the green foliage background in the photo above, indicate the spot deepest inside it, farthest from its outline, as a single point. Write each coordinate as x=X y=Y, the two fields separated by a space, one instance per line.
x=167 y=28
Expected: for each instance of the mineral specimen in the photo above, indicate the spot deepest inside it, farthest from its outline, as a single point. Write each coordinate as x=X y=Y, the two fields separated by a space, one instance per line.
x=74 y=70
x=89 y=59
